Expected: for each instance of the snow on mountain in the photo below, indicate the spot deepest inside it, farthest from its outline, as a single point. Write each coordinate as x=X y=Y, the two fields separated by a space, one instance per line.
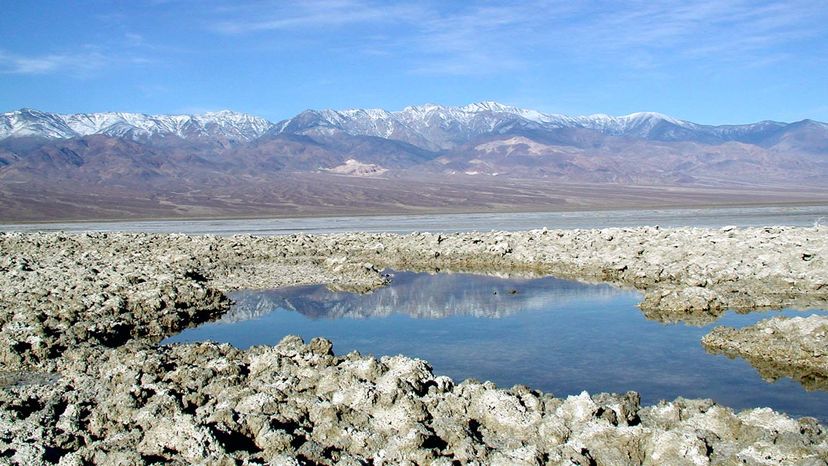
x=28 y=122
x=363 y=122
x=223 y=125
x=442 y=127
x=429 y=126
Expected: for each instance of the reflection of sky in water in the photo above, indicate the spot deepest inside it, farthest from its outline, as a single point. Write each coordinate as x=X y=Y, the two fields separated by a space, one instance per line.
x=554 y=335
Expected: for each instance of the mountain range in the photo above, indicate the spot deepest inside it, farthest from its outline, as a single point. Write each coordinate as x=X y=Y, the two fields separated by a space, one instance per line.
x=214 y=126
x=322 y=160
x=432 y=127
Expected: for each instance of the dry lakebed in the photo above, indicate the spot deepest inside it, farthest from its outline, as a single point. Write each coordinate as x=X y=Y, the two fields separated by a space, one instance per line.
x=84 y=379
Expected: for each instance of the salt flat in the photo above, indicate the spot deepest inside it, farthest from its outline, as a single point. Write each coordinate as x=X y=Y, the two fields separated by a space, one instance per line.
x=711 y=217
x=82 y=315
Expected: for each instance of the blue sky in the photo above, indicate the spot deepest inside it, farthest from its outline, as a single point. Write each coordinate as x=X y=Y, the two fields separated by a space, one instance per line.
x=707 y=61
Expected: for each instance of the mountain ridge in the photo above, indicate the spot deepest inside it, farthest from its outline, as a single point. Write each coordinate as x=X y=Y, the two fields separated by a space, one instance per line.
x=430 y=126
x=28 y=122
x=439 y=127
x=482 y=156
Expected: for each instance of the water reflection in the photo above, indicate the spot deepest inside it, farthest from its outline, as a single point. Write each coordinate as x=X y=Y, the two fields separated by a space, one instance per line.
x=421 y=295
x=772 y=372
x=558 y=336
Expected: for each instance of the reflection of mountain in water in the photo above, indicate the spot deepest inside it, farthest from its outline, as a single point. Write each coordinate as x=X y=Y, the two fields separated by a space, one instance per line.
x=421 y=295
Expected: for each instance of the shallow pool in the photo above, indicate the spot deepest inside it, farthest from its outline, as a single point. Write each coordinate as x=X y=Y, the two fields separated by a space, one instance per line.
x=558 y=336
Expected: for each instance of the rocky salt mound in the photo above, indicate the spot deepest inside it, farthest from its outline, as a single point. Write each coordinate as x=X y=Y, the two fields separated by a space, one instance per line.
x=83 y=380
x=300 y=404
x=779 y=347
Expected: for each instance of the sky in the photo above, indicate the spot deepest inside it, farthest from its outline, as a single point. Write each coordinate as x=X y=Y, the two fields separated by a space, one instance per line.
x=711 y=62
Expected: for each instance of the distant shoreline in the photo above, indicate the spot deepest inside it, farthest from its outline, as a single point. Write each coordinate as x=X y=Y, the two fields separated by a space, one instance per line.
x=799 y=214
x=428 y=211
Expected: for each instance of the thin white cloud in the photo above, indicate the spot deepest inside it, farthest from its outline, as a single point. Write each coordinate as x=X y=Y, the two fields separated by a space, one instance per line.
x=133 y=40
x=78 y=63
x=85 y=61
x=739 y=31
x=498 y=37
x=482 y=40
x=310 y=14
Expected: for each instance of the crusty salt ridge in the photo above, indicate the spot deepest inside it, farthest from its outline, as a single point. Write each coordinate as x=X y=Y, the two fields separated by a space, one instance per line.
x=81 y=315
x=779 y=347
x=208 y=403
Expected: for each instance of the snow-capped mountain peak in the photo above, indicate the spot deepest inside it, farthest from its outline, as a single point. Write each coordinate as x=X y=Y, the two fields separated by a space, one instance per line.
x=650 y=117
x=424 y=108
x=434 y=126
x=223 y=125
x=29 y=122
x=428 y=126
x=490 y=106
